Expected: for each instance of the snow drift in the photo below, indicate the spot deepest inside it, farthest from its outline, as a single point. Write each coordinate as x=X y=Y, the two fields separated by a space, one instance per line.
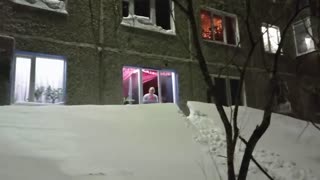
x=98 y=142
x=144 y=142
x=289 y=150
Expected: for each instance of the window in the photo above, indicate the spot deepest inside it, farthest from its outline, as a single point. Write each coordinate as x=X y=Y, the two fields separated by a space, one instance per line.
x=137 y=81
x=148 y=14
x=303 y=3
x=39 y=78
x=219 y=26
x=271 y=37
x=303 y=37
x=58 y=6
x=227 y=88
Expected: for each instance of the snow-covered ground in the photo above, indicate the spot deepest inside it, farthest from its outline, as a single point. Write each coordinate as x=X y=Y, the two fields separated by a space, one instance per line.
x=144 y=142
x=283 y=151
x=97 y=143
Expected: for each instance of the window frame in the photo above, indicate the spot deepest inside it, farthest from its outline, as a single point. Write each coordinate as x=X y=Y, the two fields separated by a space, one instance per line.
x=32 y=56
x=39 y=5
x=223 y=14
x=228 y=88
x=267 y=26
x=132 y=19
x=175 y=85
x=303 y=21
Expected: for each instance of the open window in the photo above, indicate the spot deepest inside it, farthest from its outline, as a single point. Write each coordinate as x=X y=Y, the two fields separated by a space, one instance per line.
x=227 y=88
x=149 y=14
x=271 y=37
x=303 y=37
x=219 y=26
x=137 y=81
x=38 y=78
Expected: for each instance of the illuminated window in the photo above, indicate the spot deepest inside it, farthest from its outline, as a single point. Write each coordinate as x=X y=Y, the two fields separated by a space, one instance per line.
x=39 y=78
x=271 y=37
x=303 y=37
x=219 y=26
x=137 y=81
x=148 y=14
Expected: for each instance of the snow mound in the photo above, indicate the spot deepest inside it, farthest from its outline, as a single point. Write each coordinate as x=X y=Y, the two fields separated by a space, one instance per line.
x=284 y=152
x=136 y=142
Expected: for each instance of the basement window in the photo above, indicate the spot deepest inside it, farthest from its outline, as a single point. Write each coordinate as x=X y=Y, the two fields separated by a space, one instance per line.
x=271 y=37
x=219 y=26
x=227 y=88
x=303 y=37
x=153 y=15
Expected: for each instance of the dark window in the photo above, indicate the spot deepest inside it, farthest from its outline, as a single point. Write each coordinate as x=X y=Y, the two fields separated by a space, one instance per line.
x=230 y=30
x=125 y=8
x=303 y=3
x=227 y=90
x=234 y=86
x=163 y=13
x=142 y=8
x=220 y=85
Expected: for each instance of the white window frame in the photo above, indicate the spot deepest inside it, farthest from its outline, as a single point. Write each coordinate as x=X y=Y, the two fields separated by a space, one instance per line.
x=267 y=26
x=223 y=14
x=228 y=86
x=32 y=56
x=306 y=22
x=148 y=23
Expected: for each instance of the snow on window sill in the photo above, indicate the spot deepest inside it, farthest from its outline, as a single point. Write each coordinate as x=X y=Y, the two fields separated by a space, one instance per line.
x=222 y=43
x=307 y=52
x=144 y=23
x=274 y=53
x=37 y=104
x=49 y=6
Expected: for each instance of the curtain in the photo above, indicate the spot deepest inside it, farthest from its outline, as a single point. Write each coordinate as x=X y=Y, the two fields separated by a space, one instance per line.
x=22 y=79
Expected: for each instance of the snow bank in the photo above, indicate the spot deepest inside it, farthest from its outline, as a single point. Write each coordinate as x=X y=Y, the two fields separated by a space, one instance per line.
x=99 y=142
x=145 y=142
x=283 y=151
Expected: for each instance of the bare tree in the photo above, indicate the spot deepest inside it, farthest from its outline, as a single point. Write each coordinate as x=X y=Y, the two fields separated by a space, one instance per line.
x=231 y=125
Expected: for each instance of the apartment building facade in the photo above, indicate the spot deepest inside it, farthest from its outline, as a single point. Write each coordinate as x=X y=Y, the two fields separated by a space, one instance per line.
x=108 y=52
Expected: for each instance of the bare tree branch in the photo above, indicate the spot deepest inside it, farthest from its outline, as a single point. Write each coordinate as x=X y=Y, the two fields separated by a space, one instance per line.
x=256 y=162
x=261 y=129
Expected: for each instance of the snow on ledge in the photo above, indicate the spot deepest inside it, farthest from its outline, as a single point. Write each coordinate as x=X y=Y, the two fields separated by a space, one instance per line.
x=49 y=5
x=144 y=23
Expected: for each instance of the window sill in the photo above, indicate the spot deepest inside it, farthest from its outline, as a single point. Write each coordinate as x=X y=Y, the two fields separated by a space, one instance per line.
x=41 y=5
x=222 y=43
x=37 y=104
x=273 y=53
x=145 y=24
x=306 y=53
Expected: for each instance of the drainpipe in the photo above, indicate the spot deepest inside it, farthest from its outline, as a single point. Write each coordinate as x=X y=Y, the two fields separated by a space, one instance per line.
x=100 y=53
